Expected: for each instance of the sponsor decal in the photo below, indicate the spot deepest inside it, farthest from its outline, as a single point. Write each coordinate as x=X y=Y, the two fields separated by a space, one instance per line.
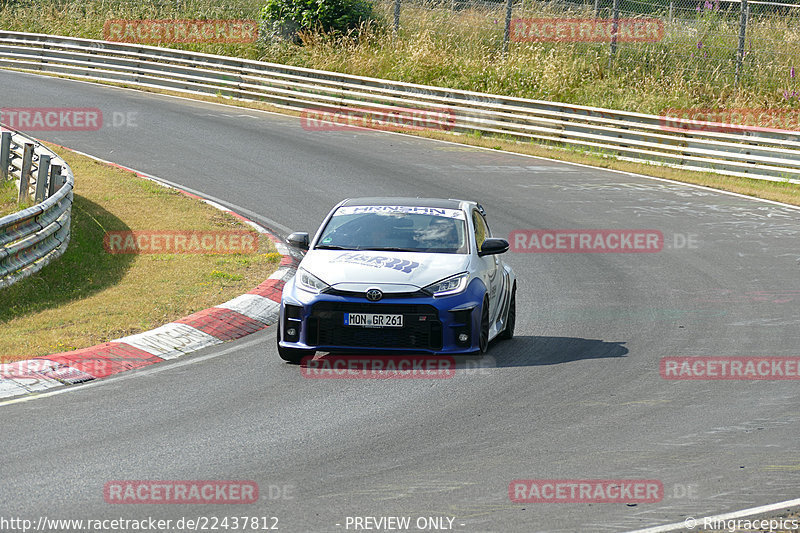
x=377 y=261
x=409 y=210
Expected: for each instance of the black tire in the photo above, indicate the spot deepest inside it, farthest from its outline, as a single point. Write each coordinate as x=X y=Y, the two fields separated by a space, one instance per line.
x=483 y=339
x=292 y=355
x=511 y=318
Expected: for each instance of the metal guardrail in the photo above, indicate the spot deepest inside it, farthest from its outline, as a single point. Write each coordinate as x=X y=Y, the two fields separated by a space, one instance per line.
x=750 y=152
x=33 y=237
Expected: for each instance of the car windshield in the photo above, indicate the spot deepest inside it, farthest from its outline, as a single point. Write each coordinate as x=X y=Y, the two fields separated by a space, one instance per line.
x=396 y=228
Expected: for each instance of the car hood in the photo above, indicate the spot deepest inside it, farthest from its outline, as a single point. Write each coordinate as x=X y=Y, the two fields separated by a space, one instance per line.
x=391 y=271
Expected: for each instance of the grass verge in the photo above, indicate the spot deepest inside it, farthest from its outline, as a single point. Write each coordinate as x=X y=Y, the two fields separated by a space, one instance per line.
x=89 y=296
x=8 y=199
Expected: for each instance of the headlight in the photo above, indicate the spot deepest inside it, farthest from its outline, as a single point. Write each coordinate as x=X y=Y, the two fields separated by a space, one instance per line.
x=451 y=285
x=309 y=282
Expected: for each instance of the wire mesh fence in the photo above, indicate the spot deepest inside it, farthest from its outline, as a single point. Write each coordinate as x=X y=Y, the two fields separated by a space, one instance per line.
x=723 y=42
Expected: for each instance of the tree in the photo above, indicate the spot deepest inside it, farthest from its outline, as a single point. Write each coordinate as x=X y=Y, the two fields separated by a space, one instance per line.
x=285 y=18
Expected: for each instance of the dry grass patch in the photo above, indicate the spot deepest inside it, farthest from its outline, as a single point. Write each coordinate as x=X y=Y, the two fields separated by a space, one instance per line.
x=89 y=296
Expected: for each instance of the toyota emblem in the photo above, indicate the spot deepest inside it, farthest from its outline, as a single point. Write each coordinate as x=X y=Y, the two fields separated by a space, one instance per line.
x=373 y=295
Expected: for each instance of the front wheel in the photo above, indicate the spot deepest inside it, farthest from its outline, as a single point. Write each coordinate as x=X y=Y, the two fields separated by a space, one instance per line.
x=292 y=355
x=511 y=317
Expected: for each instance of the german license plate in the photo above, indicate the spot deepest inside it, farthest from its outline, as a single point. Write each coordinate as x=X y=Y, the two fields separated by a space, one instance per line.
x=371 y=320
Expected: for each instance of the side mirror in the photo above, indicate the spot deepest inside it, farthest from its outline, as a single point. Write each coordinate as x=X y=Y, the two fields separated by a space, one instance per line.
x=298 y=240
x=493 y=246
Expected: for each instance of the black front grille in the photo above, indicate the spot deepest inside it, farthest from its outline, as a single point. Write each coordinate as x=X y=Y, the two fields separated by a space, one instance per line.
x=421 y=327
x=386 y=295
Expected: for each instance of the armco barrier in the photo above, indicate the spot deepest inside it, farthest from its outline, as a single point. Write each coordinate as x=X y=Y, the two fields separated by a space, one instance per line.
x=750 y=152
x=33 y=237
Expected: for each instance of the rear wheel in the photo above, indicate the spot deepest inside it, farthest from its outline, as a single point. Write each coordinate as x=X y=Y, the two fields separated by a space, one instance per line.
x=292 y=355
x=483 y=340
x=511 y=318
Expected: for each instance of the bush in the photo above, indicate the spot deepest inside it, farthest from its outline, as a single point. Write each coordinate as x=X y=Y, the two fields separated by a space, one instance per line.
x=286 y=18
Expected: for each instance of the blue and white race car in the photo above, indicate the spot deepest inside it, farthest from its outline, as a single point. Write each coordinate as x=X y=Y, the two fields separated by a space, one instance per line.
x=398 y=275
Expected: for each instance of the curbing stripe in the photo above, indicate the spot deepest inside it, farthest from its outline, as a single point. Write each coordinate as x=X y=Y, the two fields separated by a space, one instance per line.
x=254 y=306
x=22 y=377
x=231 y=320
x=222 y=323
x=104 y=359
x=170 y=340
x=271 y=289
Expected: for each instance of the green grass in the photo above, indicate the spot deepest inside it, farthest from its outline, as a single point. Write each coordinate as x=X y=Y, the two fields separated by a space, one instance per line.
x=89 y=296
x=8 y=198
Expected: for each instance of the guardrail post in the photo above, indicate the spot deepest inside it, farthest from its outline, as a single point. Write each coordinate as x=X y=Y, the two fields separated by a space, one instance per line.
x=742 y=35
x=5 y=151
x=614 y=32
x=507 y=33
x=396 y=16
x=41 y=178
x=25 y=173
x=55 y=181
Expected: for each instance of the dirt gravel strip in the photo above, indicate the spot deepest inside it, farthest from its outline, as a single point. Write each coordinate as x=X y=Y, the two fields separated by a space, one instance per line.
x=231 y=320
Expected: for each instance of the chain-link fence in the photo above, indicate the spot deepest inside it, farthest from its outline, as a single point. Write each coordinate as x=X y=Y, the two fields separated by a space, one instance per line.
x=725 y=42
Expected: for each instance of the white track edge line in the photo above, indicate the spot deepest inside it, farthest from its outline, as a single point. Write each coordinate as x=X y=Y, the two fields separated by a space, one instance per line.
x=698 y=522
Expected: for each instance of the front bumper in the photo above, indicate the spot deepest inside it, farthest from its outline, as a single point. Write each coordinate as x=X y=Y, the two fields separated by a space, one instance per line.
x=431 y=325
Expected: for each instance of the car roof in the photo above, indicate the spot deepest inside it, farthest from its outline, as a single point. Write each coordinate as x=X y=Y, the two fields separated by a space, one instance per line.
x=406 y=202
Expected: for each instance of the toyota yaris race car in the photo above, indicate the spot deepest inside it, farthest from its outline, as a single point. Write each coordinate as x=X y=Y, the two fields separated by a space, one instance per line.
x=398 y=275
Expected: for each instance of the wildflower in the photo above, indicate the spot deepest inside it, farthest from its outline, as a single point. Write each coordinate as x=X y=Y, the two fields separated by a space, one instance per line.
x=791 y=72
